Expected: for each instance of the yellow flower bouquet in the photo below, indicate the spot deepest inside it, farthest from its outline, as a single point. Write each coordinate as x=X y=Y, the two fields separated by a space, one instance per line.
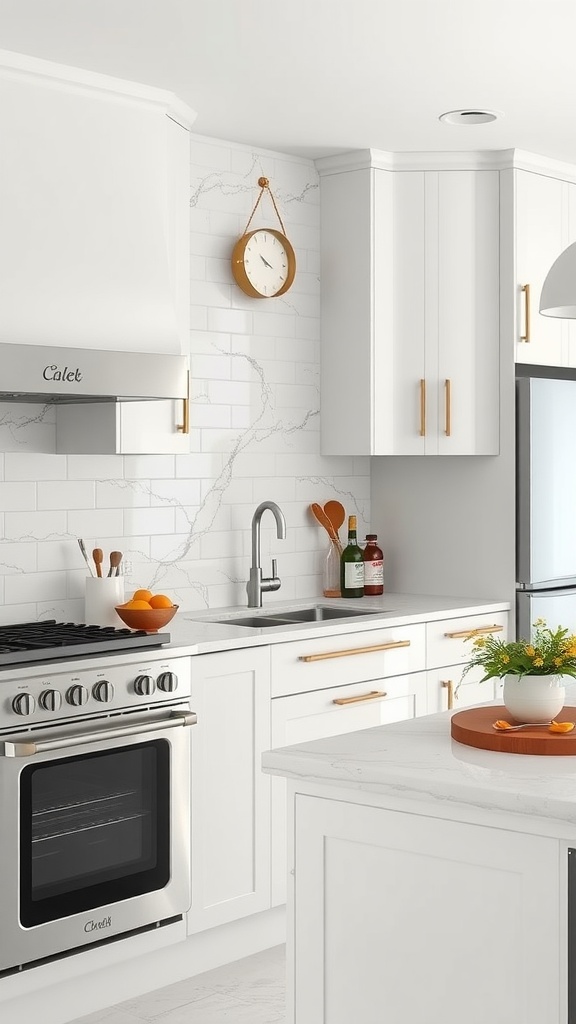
x=550 y=652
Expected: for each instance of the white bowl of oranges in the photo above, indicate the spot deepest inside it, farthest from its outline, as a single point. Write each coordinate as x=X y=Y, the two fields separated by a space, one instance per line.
x=147 y=611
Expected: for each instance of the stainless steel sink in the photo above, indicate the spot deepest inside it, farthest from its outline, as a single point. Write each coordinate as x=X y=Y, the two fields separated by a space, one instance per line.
x=317 y=613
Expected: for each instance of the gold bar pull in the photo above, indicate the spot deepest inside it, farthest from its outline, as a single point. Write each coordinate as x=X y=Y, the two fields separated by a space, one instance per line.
x=184 y=427
x=526 y=289
x=449 y=685
x=356 y=650
x=422 y=408
x=448 y=398
x=467 y=633
x=356 y=700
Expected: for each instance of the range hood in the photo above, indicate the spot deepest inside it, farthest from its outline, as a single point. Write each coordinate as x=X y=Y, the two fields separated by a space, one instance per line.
x=45 y=374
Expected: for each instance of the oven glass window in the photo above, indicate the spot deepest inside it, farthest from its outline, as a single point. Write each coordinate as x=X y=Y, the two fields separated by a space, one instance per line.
x=94 y=829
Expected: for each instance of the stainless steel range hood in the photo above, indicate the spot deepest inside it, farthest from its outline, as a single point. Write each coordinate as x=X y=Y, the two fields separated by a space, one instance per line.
x=43 y=374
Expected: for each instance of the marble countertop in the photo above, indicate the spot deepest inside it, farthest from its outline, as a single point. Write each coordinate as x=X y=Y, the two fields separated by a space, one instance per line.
x=204 y=632
x=418 y=759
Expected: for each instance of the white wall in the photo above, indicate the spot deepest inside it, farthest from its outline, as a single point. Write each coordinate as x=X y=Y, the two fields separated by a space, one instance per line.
x=183 y=522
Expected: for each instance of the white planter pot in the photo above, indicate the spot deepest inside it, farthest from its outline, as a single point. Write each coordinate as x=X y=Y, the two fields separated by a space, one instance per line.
x=533 y=698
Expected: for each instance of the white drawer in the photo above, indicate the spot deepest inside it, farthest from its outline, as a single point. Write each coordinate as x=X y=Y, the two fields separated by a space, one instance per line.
x=448 y=643
x=373 y=654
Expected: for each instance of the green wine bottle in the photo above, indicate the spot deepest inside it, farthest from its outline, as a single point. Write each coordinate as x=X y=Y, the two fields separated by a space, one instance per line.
x=352 y=564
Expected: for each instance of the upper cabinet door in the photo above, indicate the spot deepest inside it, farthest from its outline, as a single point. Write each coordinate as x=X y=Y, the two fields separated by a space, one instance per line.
x=410 y=312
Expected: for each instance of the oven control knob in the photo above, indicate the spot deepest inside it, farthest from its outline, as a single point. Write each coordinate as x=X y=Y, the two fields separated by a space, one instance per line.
x=77 y=695
x=24 y=704
x=103 y=691
x=144 y=686
x=168 y=682
x=50 y=700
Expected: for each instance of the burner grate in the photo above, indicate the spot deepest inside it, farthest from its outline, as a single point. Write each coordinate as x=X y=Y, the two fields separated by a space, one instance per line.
x=49 y=640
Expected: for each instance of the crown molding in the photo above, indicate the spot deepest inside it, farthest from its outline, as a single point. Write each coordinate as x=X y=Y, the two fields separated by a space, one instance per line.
x=474 y=160
x=19 y=65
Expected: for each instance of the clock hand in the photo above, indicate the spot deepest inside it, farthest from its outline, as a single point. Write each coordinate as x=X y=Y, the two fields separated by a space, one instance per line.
x=265 y=261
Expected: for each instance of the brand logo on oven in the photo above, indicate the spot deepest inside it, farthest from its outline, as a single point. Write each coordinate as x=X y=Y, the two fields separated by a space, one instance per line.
x=64 y=373
x=96 y=926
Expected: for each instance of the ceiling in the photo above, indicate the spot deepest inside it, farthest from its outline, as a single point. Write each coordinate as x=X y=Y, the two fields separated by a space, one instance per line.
x=315 y=77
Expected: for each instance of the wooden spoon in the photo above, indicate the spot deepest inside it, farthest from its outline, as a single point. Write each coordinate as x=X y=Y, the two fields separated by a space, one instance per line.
x=115 y=559
x=98 y=556
x=336 y=513
x=321 y=517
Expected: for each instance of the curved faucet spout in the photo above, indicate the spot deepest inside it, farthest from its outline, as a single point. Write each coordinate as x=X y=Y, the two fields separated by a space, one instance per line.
x=257 y=584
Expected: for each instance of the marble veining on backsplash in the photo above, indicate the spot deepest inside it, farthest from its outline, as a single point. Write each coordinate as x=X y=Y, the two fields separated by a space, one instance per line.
x=183 y=522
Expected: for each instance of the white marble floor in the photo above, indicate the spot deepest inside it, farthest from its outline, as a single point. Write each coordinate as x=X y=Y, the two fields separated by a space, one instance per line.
x=249 y=991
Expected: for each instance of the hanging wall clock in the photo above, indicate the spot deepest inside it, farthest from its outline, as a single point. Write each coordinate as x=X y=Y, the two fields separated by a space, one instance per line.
x=263 y=260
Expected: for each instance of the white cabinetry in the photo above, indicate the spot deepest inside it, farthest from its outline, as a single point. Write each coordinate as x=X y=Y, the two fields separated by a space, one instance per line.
x=410 y=312
x=230 y=837
x=448 y=649
x=545 y=224
x=397 y=916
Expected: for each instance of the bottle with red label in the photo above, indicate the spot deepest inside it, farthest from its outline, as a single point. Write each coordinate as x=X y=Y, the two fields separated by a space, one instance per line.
x=373 y=567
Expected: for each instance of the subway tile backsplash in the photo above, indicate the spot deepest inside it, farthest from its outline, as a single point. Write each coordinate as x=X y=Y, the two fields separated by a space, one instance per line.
x=183 y=522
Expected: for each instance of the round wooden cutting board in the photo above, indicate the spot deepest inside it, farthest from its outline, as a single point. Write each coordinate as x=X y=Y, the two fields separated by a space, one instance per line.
x=475 y=728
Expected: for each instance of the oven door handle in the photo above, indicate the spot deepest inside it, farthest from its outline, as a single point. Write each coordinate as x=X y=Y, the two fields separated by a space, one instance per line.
x=27 y=748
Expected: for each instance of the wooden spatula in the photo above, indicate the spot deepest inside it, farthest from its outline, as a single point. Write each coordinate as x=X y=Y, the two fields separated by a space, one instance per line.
x=98 y=556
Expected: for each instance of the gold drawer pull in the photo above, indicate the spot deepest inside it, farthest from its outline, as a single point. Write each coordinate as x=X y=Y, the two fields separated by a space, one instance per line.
x=356 y=700
x=448 y=397
x=422 y=408
x=356 y=650
x=526 y=289
x=449 y=685
x=184 y=427
x=467 y=633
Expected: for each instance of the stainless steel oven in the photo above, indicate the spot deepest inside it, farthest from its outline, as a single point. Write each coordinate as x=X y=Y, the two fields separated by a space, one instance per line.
x=94 y=795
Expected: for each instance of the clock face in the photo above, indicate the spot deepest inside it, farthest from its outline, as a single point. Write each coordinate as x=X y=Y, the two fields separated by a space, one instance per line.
x=263 y=263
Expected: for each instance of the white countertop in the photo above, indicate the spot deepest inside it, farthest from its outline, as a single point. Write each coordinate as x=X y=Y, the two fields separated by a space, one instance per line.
x=418 y=760
x=202 y=633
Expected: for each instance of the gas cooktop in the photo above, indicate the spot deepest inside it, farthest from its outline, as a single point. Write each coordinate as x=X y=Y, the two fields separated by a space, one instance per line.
x=50 y=640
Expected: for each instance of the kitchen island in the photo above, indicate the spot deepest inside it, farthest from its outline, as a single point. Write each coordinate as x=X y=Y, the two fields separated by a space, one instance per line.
x=430 y=880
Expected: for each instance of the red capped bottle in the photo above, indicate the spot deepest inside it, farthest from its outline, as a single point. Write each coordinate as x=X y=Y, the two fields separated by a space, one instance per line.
x=373 y=567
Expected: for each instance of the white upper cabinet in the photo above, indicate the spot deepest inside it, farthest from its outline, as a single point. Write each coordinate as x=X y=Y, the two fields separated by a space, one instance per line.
x=410 y=312
x=545 y=224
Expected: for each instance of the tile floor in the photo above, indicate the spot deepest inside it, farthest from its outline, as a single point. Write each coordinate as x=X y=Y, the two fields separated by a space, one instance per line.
x=249 y=991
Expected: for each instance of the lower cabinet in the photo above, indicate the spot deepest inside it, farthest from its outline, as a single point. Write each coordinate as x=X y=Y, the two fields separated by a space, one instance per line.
x=230 y=795
x=330 y=712
x=447 y=691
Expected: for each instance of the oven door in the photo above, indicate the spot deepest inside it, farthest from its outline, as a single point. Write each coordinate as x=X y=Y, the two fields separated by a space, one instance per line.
x=95 y=838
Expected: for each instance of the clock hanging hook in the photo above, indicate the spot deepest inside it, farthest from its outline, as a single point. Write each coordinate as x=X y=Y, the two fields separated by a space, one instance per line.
x=265 y=186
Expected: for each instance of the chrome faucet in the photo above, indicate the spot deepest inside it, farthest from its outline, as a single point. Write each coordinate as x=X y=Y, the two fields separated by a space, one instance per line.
x=257 y=584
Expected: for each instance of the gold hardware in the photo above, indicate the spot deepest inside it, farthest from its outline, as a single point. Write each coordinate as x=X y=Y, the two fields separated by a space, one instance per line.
x=265 y=184
x=356 y=650
x=184 y=427
x=422 y=408
x=448 y=397
x=526 y=289
x=467 y=633
x=449 y=685
x=356 y=700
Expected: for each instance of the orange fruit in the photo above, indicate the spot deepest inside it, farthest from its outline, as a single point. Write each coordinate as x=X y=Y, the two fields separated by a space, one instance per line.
x=135 y=603
x=142 y=595
x=161 y=601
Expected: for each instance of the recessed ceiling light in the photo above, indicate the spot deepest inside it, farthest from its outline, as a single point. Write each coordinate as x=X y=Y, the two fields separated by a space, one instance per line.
x=468 y=117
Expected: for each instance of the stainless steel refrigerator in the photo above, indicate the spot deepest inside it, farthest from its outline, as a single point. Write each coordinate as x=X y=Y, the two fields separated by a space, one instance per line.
x=546 y=503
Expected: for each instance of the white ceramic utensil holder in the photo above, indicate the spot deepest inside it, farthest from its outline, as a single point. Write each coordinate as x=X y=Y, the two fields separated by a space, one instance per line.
x=102 y=596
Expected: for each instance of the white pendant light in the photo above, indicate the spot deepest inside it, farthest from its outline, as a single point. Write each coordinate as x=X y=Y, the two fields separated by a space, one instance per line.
x=558 y=296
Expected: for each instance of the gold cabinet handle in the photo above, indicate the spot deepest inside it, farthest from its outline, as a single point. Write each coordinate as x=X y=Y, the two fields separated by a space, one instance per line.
x=448 y=399
x=422 y=408
x=449 y=685
x=184 y=427
x=356 y=650
x=526 y=336
x=356 y=700
x=474 y=632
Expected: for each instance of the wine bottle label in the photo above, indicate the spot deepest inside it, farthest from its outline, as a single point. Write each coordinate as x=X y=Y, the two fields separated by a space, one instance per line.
x=353 y=575
x=374 y=572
